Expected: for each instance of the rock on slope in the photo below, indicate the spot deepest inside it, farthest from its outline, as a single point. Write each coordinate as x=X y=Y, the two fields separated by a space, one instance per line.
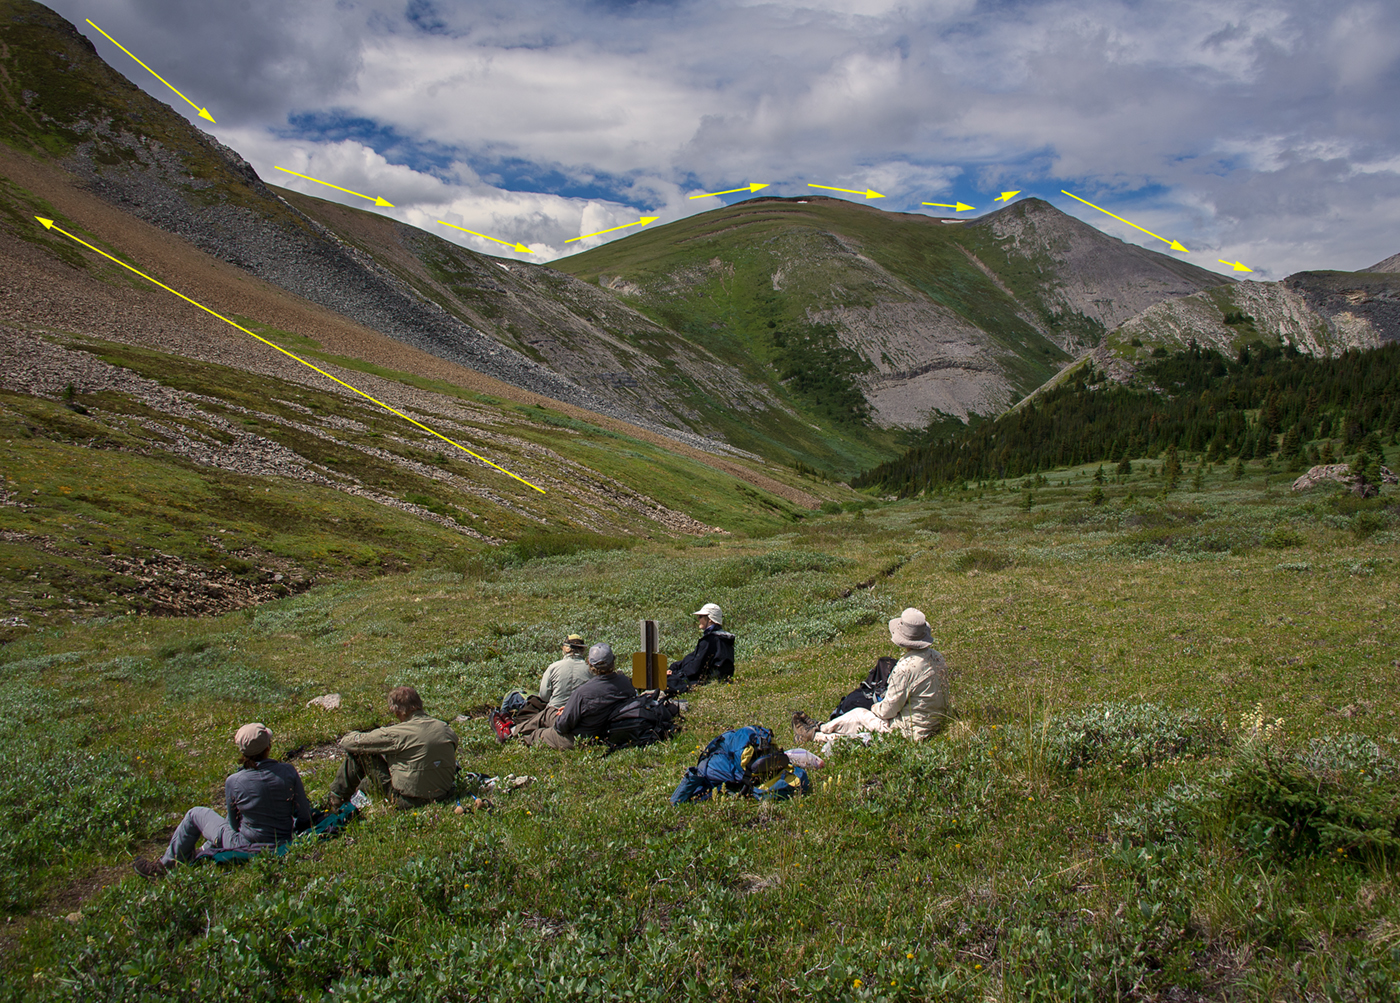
x=1320 y=313
x=1086 y=272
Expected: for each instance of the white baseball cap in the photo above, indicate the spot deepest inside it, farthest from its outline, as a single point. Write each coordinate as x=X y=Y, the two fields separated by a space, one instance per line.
x=712 y=611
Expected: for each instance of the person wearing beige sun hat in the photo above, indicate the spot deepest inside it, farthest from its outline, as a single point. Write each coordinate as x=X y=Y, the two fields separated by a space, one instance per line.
x=915 y=702
x=265 y=799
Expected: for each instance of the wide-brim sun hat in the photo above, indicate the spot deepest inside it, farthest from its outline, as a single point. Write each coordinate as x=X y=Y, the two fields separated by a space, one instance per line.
x=911 y=630
x=575 y=642
x=712 y=611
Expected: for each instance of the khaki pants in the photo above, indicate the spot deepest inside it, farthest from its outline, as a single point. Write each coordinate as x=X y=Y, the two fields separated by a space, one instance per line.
x=358 y=768
x=534 y=720
x=551 y=739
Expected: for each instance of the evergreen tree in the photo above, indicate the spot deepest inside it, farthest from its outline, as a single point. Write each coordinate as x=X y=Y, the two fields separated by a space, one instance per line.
x=1172 y=468
x=1292 y=442
x=1237 y=471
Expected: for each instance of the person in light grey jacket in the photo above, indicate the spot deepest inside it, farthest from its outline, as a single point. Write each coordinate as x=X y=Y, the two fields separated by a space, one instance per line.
x=915 y=702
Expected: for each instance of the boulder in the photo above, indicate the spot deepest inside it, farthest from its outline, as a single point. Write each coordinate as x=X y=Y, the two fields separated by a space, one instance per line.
x=327 y=701
x=1339 y=472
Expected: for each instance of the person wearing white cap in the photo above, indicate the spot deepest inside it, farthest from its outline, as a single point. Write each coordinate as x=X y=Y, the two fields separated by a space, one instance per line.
x=713 y=657
x=915 y=702
x=266 y=804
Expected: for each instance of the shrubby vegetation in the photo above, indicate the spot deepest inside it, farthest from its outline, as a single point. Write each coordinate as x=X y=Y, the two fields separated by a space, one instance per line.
x=1171 y=773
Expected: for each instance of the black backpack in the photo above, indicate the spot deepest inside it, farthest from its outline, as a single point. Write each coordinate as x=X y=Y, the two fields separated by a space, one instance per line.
x=871 y=690
x=643 y=720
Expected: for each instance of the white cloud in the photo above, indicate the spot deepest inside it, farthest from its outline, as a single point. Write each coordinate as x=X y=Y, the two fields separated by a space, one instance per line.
x=1266 y=126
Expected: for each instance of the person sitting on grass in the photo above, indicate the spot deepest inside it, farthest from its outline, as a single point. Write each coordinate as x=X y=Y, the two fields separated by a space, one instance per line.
x=915 y=702
x=265 y=799
x=556 y=686
x=713 y=657
x=410 y=764
x=590 y=711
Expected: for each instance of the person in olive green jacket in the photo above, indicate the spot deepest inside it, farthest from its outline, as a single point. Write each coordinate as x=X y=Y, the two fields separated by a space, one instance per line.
x=410 y=764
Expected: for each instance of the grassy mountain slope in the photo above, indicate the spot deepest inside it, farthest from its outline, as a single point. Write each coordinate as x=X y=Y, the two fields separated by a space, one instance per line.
x=924 y=317
x=589 y=335
x=138 y=481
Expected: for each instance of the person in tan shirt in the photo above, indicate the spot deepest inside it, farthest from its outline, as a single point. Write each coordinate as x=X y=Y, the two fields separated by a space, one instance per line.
x=410 y=764
x=915 y=702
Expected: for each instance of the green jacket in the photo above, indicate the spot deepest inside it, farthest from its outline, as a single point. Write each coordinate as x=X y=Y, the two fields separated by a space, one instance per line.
x=421 y=753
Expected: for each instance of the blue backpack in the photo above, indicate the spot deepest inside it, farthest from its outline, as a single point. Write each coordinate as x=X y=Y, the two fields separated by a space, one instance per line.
x=743 y=762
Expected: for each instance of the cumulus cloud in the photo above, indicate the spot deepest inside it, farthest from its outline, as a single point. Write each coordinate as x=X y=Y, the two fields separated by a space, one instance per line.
x=1250 y=130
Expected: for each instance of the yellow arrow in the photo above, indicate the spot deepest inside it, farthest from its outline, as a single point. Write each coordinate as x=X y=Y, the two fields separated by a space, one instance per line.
x=641 y=222
x=869 y=193
x=203 y=112
x=517 y=247
x=1235 y=265
x=1006 y=196
x=376 y=199
x=747 y=188
x=958 y=207
x=50 y=225
x=1175 y=245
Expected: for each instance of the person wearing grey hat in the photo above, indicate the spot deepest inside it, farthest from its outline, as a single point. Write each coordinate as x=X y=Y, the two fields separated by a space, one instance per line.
x=713 y=657
x=266 y=802
x=592 y=707
x=915 y=702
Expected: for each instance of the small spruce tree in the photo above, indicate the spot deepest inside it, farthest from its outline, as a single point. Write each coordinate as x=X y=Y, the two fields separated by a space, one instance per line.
x=1172 y=469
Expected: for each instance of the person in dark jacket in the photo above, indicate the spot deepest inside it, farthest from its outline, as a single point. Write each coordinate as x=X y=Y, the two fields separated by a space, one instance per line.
x=592 y=707
x=266 y=804
x=713 y=657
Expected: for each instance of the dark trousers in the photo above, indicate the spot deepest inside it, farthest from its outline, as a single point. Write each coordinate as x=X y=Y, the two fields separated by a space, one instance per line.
x=359 y=768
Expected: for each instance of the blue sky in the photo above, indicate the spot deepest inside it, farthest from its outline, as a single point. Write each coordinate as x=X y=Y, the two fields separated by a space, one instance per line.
x=1263 y=132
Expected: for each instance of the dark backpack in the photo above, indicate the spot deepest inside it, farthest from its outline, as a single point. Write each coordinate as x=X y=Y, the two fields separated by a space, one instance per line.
x=643 y=720
x=871 y=690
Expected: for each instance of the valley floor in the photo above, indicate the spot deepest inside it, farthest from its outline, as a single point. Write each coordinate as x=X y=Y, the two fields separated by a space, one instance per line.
x=1171 y=775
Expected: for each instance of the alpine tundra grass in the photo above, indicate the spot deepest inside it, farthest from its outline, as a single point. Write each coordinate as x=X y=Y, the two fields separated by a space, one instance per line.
x=1171 y=774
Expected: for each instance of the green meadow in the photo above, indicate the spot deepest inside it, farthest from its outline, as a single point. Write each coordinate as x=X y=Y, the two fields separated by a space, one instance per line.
x=1171 y=774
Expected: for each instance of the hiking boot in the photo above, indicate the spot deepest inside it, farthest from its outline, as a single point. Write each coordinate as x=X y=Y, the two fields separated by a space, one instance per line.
x=150 y=868
x=501 y=725
x=804 y=729
x=333 y=804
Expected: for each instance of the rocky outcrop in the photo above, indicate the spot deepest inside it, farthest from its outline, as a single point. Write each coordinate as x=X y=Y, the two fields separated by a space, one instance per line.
x=1087 y=273
x=1339 y=473
x=1318 y=313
